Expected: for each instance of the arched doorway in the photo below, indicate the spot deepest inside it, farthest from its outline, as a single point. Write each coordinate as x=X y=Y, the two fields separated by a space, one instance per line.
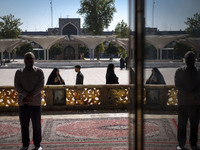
x=69 y=29
x=69 y=53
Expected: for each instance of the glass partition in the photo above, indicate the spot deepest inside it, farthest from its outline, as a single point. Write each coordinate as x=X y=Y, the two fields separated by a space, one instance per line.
x=171 y=30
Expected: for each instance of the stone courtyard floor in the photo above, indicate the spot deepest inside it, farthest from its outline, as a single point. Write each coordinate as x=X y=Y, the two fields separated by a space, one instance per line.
x=91 y=75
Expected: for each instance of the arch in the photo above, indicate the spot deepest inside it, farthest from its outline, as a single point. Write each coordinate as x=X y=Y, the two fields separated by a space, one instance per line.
x=69 y=29
x=69 y=53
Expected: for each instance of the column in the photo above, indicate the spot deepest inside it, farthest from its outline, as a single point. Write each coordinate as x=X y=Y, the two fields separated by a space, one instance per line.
x=1 y=56
x=47 y=54
x=92 y=54
x=160 y=53
x=9 y=56
x=157 y=54
x=45 y=57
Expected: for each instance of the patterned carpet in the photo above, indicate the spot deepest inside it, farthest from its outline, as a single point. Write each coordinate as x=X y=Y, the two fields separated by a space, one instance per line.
x=91 y=134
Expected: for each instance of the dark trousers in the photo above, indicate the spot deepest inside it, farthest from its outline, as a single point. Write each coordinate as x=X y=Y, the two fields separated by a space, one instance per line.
x=26 y=113
x=186 y=113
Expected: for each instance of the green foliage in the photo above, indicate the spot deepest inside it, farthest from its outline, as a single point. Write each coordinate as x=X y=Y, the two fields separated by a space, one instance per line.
x=111 y=49
x=24 y=49
x=83 y=49
x=56 y=49
x=9 y=27
x=180 y=49
x=193 y=23
x=122 y=30
x=97 y=14
x=100 y=48
x=122 y=52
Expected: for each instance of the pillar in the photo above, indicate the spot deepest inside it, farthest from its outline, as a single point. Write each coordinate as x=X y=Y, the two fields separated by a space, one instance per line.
x=1 y=56
x=160 y=54
x=157 y=54
x=91 y=54
x=47 y=54
x=45 y=57
x=9 y=56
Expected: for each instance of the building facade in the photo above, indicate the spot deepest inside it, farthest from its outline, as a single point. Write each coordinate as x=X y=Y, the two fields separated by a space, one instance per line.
x=72 y=26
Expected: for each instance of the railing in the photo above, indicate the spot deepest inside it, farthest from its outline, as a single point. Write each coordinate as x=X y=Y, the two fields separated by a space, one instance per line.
x=100 y=96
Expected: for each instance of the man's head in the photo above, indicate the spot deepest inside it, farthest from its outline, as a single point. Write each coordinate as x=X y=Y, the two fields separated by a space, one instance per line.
x=29 y=58
x=77 y=68
x=190 y=59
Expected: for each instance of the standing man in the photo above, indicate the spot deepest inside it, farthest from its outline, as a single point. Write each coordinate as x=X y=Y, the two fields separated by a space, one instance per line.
x=122 y=63
x=29 y=83
x=187 y=82
x=79 y=76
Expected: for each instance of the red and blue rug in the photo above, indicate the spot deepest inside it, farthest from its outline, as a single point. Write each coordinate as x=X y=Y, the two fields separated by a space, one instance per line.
x=91 y=134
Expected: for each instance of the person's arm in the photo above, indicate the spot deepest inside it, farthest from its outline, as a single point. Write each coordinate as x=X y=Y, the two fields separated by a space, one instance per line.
x=17 y=85
x=39 y=86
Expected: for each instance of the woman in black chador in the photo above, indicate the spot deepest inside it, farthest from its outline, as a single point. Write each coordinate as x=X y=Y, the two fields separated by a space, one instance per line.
x=55 y=78
x=111 y=77
x=156 y=77
x=122 y=63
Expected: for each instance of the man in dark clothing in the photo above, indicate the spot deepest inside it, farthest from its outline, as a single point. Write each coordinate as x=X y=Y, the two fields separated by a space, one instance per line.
x=79 y=76
x=29 y=83
x=187 y=82
x=122 y=63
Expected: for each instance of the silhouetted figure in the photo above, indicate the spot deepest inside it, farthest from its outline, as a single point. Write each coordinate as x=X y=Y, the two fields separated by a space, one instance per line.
x=122 y=63
x=55 y=78
x=111 y=77
x=29 y=83
x=156 y=77
x=79 y=76
x=187 y=82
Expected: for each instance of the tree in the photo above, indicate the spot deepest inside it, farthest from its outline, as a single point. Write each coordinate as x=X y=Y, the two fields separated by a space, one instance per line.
x=97 y=14
x=180 y=49
x=55 y=50
x=99 y=49
x=111 y=49
x=122 y=30
x=193 y=23
x=122 y=52
x=9 y=27
x=83 y=50
x=24 y=49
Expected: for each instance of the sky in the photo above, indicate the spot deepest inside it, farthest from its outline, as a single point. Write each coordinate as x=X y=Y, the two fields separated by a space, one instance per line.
x=169 y=15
